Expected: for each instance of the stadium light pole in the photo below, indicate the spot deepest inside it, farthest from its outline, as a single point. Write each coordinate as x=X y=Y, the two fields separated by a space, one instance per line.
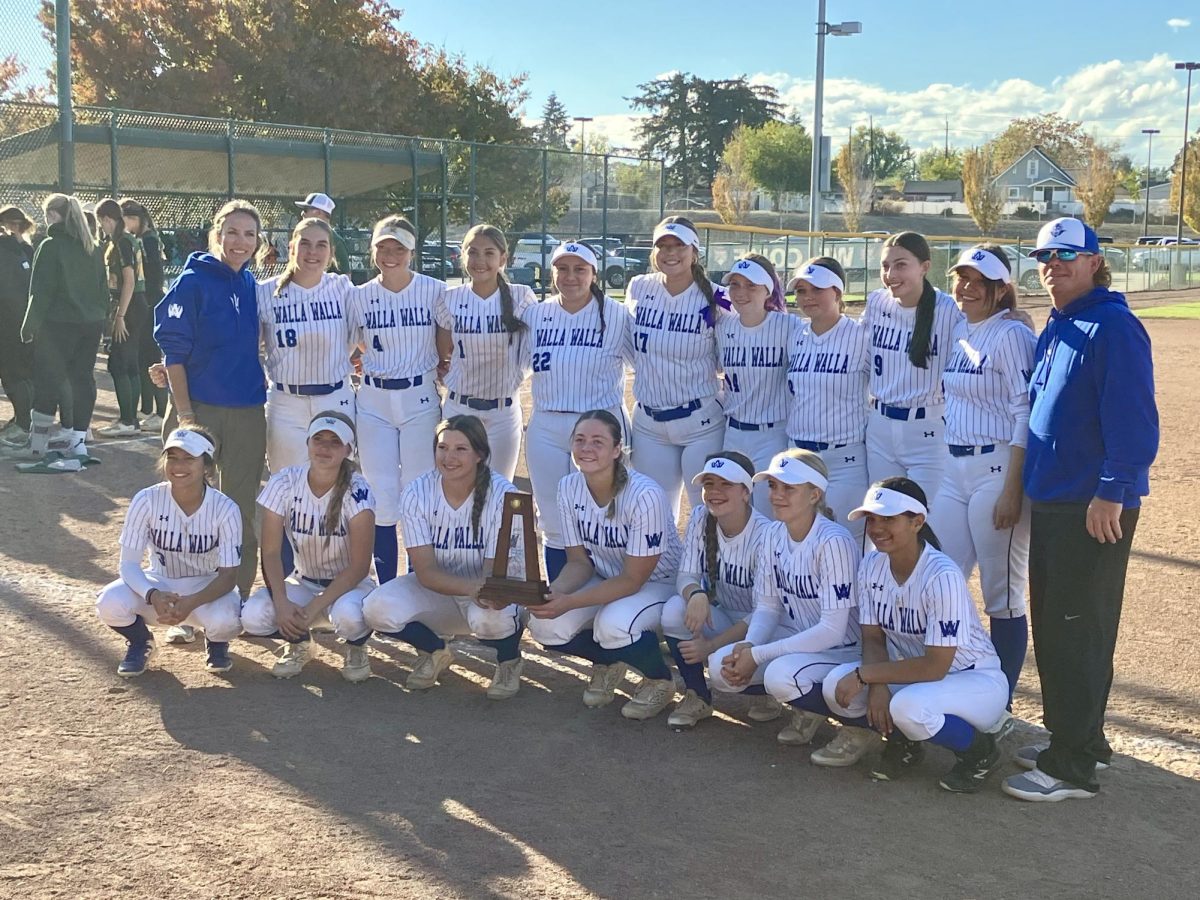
x=66 y=111
x=582 y=120
x=841 y=29
x=1189 y=67
x=1150 y=133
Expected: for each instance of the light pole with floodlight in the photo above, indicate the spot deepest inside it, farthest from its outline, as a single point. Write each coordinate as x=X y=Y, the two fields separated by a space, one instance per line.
x=582 y=120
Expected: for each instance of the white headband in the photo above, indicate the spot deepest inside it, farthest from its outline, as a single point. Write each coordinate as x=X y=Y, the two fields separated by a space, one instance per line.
x=751 y=270
x=984 y=262
x=676 y=230
x=191 y=442
x=337 y=426
x=394 y=233
x=886 y=502
x=725 y=468
x=790 y=470
x=573 y=248
x=818 y=277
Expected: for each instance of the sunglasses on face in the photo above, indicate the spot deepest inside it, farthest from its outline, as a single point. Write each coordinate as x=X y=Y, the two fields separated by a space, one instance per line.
x=1044 y=256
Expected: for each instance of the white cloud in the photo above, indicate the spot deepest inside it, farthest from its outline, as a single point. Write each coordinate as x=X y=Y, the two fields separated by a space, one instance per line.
x=1176 y=24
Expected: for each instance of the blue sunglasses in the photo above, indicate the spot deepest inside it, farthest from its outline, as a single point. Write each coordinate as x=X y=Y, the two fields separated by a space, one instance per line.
x=1044 y=256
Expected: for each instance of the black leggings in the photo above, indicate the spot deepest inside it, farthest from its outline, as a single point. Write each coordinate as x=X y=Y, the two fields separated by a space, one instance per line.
x=154 y=399
x=125 y=360
x=66 y=352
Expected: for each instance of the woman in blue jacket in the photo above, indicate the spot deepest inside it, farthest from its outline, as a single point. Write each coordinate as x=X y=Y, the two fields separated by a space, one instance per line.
x=207 y=327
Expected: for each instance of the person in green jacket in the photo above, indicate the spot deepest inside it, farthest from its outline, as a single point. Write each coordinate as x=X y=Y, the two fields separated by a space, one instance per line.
x=321 y=206
x=68 y=307
x=16 y=359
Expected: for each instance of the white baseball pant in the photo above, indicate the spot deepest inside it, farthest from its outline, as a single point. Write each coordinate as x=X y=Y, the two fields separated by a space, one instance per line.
x=614 y=625
x=220 y=619
x=718 y=683
x=395 y=440
x=848 y=482
x=503 y=426
x=673 y=452
x=288 y=416
x=675 y=609
x=961 y=517
x=760 y=446
x=346 y=613
x=914 y=448
x=793 y=675
x=404 y=599
x=977 y=696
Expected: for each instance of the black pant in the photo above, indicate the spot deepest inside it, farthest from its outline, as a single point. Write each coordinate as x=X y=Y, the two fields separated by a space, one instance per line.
x=154 y=400
x=66 y=352
x=16 y=370
x=1076 y=588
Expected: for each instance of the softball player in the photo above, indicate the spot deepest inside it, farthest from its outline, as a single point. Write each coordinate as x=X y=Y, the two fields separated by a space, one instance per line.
x=716 y=578
x=306 y=336
x=194 y=535
x=325 y=509
x=140 y=226
x=911 y=325
x=673 y=343
x=451 y=519
x=392 y=319
x=979 y=510
x=928 y=671
x=487 y=349
x=578 y=351
x=127 y=287
x=753 y=351
x=807 y=564
x=828 y=370
x=622 y=552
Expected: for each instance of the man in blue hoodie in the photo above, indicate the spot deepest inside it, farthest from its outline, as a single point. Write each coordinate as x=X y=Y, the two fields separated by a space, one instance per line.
x=1093 y=433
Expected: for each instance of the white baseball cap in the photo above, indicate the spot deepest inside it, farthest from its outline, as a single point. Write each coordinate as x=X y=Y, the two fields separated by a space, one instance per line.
x=984 y=262
x=727 y=469
x=748 y=268
x=319 y=201
x=190 y=442
x=384 y=232
x=677 y=230
x=790 y=470
x=334 y=424
x=576 y=249
x=818 y=276
x=886 y=502
x=1066 y=234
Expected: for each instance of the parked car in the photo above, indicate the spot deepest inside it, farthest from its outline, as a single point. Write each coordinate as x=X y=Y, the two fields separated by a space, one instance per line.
x=617 y=269
x=452 y=264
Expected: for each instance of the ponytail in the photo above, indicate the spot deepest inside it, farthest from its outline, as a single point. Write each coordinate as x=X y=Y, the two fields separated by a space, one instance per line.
x=620 y=479
x=73 y=220
x=926 y=534
x=918 y=350
x=512 y=323
x=701 y=278
x=598 y=293
x=483 y=487
x=712 y=567
x=333 y=513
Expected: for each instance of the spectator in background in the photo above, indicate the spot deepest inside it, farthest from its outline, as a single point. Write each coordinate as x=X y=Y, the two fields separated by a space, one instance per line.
x=127 y=314
x=16 y=359
x=139 y=224
x=321 y=206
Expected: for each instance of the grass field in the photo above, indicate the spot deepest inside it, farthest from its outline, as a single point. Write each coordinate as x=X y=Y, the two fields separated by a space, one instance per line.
x=1176 y=311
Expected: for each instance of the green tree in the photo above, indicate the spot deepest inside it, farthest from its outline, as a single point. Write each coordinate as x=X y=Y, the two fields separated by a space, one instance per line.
x=555 y=125
x=1096 y=185
x=885 y=154
x=733 y=188
x=779 y=158
x=980 y=192
x=935 y=164
x=858 y=184
x=1064 y=140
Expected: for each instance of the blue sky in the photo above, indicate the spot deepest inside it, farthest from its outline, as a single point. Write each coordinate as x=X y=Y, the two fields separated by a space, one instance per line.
x=914 y=65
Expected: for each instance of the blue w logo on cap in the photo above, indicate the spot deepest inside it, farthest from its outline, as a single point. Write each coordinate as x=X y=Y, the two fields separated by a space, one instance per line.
x=879 y=495
x=1057 y=229
x=977 y=256
x=810 y=270
x=572 y=248
x=716 y=464
x=744 y=264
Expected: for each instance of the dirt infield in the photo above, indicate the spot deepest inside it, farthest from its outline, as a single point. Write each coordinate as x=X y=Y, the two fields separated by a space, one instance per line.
x=186 y=784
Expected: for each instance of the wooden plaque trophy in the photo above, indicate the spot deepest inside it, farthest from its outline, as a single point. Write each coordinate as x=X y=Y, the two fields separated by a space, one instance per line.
x=499 y=587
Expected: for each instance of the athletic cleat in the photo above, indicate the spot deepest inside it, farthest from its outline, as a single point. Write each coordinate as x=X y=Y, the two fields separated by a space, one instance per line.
x=292 y=659
x=137 y=659
x=603 y=686
x=690 y=711
x=507 y=679
x=1027 y=757
x=1037 y=786
x=848 y=746
x=801 y=730
x=118 y=429
x=152 y=424
x=429 y=666
x=181 y=634
x=217 y=656
x=899 y=755
x=356 y=667
x=974 y=765
x=765 y=709
x=652 y=697
x=14 y=435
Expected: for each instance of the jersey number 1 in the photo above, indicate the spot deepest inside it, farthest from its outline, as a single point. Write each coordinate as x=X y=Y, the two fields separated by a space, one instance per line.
x=286 y=338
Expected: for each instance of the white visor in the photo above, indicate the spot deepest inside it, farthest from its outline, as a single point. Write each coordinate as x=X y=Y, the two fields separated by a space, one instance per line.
x=790 y=470
x=725 y=468
x=751 y=270
x=818 y=277
x=191 y=442
x=337 y=426
x=983 y=262
x=886 y=502
x=573 y=248
x=394 y=233
x=676 y=230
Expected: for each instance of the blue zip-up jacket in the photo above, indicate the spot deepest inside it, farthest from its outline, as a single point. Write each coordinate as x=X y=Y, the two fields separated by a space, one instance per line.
x=208 y=323
x=1093 y=422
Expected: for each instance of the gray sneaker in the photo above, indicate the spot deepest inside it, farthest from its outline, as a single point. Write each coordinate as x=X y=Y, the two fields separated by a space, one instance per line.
x=1027 y=757
x=1040 y=787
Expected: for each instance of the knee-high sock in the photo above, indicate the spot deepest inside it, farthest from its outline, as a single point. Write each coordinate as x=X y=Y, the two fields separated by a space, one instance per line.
x=1010 y=637
x=813 y=702
x=956 y=734
x=135 y=633
x=387 y=552
x=554 y=558
x=584 y=646
x=506 y=648
x=645 y=656
x=692 y=673
x=419 y=635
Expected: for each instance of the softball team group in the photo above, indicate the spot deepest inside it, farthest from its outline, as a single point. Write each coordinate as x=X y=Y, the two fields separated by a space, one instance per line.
x=795 y=437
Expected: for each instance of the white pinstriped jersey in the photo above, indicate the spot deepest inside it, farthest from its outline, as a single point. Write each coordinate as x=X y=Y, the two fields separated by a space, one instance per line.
x=397 y=330
x=643 y=525
x=428 y=520
x=287 y=494
x=575 y=368
x=487 y=361
x=305 y=331
x=737 y=557
x=987 y=382
x=755 y=363
x=827 y=379
x=183 y=546
x=802 y=578
x=932 y=608
x=672 y=345
x=894 y=379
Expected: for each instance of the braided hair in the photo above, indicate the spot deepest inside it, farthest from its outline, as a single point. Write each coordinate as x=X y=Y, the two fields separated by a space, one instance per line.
x=472 y=429
x=918 y=350
x=293 y=263
x=620 y=470
x=333 y=512
x=511 y=321
x=712 y=561
x=910 y=488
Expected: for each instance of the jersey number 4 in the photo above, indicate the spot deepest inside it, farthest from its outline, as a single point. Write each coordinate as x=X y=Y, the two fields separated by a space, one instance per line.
x=541 y=361
x=376 y=343
x=286 y=337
